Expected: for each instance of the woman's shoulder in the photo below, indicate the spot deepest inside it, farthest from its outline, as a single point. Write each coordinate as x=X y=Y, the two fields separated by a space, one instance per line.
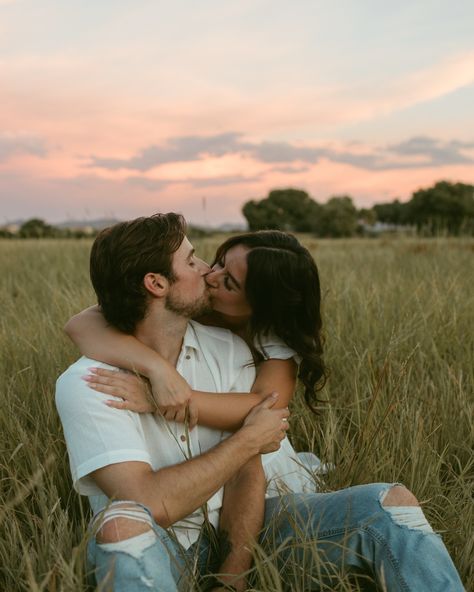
x=273 y=347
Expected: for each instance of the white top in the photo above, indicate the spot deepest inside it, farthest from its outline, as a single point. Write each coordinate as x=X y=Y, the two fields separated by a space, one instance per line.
x=273 y=348
x=211 y=359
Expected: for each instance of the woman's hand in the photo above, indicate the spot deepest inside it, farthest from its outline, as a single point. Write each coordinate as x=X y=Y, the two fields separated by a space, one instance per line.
x=138 y=396
x=173 y=395
x=134 y=390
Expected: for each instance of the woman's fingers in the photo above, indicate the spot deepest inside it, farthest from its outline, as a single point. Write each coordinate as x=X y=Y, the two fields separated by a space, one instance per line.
x=105 y=376
x=117 y=404
x=118 y=386
x=106 y=389
x=181 y=414
x=192 y=414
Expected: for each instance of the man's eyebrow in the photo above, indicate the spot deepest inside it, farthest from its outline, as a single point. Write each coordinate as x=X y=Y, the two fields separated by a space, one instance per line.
x=190 y=254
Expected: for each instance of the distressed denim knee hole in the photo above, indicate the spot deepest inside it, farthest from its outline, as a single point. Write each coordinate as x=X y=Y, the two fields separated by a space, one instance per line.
x=122 y=521
x=410 y=517
x=133 y=546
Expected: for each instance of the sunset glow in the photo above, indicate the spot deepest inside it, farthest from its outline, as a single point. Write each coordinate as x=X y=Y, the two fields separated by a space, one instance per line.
x=126 y=108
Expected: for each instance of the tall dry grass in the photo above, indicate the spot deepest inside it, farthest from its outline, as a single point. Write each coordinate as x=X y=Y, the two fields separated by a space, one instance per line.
x=399 y=326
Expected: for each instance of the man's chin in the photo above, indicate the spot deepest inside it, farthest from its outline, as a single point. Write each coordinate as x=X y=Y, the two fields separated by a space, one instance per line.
x=204 y=308
x=200 y=307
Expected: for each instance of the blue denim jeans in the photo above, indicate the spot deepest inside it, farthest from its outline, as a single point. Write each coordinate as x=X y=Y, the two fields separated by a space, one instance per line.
x=311 y=538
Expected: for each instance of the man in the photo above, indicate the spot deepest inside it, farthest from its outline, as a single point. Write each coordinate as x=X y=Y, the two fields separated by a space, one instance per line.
x=174 y=490
x=146 y=275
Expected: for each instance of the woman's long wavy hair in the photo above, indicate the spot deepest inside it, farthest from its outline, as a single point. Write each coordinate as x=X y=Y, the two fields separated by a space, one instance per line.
x=283 y=290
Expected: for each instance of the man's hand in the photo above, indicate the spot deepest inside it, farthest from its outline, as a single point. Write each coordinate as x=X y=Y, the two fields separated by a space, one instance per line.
x=266 y=425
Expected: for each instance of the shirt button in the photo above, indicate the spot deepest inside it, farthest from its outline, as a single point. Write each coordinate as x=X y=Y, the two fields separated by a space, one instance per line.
x=188 y=357
x=183 y=438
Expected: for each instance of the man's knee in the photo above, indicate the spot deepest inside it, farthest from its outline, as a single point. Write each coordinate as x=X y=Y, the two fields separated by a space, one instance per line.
x=398 y=495
x=120 y=529
x=122 y=521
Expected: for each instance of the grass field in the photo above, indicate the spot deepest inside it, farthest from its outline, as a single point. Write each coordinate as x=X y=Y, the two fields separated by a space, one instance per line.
x=399 y=327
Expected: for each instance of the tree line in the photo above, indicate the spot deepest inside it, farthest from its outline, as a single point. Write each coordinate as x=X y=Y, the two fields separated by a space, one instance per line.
x=38 y=228
x=445 y=208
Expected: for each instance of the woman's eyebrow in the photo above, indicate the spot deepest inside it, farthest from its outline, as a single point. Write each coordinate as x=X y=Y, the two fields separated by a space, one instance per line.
x=191 y=253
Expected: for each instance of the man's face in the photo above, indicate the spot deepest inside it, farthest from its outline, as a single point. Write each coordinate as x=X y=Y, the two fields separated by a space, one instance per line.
x=188 y=295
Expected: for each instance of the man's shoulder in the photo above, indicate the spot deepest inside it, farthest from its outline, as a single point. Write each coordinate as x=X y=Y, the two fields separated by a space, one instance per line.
x=70 y=384
x=80 y=367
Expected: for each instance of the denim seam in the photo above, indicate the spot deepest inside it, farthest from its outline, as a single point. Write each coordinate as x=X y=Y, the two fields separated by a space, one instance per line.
x=392 y=559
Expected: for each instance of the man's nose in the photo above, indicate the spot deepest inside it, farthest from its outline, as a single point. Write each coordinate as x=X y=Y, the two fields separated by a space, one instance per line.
x=205 y=268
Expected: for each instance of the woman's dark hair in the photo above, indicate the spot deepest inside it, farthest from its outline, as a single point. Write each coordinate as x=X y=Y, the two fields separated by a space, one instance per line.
x=282 y=288
x=120 y=258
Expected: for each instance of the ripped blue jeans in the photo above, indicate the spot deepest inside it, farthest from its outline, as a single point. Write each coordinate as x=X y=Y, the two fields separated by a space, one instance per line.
x=311 y=538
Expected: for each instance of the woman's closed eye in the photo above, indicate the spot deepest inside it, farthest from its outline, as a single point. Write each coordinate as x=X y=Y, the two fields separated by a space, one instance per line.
x=227 y=285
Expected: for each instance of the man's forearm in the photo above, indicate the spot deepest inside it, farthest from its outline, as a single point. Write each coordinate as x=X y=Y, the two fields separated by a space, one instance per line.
x=240 y=522
x=184 y=488
x=174 y=492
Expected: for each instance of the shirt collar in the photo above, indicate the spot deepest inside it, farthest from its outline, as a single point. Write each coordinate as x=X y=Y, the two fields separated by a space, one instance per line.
x=190 y=339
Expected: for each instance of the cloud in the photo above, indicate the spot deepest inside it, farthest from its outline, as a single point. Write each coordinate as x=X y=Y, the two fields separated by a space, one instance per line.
x=21 y=143
x=285 y=152
x=158 y=184
x=222 y=181
x=290 y=170
x=192 y=148
x=416 y=152
x=179 y=149
x=438 y=152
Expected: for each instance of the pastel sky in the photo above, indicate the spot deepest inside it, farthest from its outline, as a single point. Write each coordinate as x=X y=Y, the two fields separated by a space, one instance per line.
x=121 y=108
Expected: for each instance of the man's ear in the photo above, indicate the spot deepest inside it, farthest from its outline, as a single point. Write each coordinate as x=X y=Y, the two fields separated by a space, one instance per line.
x=156 y=284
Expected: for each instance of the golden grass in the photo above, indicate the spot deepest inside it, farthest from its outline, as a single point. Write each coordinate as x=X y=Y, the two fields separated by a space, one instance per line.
x=399 y=326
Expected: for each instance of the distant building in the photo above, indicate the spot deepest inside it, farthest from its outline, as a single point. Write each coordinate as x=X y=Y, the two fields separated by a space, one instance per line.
x=13 y=228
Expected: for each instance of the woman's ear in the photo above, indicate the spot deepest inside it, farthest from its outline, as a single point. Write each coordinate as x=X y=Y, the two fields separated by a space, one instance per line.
x=156 y=284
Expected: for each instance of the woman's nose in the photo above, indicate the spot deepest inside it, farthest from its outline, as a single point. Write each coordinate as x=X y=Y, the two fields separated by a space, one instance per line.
x=212 y=278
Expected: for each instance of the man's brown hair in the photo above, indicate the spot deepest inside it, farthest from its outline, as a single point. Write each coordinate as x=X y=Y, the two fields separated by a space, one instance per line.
x=123 y=254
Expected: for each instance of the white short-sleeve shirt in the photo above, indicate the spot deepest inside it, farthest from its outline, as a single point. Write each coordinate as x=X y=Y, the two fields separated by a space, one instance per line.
x=211 y=359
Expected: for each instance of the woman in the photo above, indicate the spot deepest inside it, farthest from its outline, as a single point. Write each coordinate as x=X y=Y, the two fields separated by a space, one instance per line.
x=263 y=286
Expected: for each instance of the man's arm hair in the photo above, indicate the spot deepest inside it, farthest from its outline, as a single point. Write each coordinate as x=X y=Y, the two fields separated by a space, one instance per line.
x=240 y=523
x=174 y=492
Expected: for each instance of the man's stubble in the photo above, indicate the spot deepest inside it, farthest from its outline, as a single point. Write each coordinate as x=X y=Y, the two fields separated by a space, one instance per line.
x=190 y=310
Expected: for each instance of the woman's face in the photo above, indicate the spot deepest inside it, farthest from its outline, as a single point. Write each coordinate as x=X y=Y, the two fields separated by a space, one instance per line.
x=226 y=282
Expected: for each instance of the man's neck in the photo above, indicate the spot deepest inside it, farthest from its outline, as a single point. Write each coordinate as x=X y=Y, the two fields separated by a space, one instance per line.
x=163 y=331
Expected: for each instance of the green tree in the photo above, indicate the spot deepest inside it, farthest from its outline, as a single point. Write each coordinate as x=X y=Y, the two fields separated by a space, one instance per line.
x=283 y=209
x=338 y=217
x=4 y=233
x=445 y=207
x=36 y=228
x=367 y=216
x=394 y=212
